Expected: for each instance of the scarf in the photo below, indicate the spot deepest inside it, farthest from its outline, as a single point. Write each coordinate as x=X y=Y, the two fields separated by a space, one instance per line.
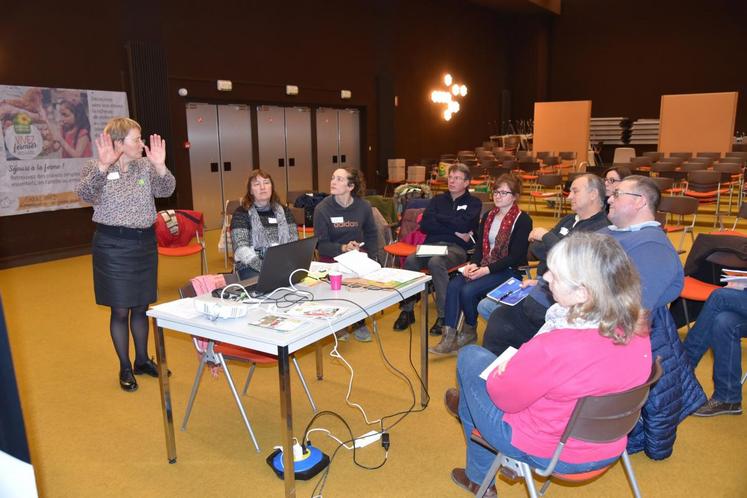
x=500 y=249
x=261 y=236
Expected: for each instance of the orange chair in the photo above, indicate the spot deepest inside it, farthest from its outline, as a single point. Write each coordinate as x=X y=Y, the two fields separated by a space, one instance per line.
x=595 y=419
x=550 y=188
x=217 y=353
x=695 y=290
x=175 y=230
x=409 y=223
x=742 y=213
x=680 y=206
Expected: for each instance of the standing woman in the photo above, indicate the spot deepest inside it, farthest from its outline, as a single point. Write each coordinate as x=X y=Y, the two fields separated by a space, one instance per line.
x=501 y=247
x=344 y=222
x=260 y=222
x=121 y=185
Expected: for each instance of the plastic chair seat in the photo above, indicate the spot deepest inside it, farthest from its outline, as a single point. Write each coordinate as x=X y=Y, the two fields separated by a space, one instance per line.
x=237 y=352
x=401 y=249
x=180 y=251
x=696 y=290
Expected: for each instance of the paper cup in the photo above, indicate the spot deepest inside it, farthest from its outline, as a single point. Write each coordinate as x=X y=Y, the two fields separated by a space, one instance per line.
x=335 y=280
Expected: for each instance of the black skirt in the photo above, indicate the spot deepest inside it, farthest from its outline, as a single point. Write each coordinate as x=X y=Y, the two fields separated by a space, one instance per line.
x=125 y=266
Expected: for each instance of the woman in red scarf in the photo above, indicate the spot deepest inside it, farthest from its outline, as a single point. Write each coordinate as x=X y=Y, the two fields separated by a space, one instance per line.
x=501 y=245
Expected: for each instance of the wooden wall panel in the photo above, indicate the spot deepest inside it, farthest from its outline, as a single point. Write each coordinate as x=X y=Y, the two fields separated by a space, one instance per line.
x=701 y=122
x=562 y=127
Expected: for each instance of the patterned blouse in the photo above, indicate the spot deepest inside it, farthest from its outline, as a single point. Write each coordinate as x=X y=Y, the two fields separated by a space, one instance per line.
x=124 y=198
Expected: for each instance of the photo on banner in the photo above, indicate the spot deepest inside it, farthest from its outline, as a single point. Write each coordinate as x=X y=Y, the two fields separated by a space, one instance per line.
x=47 y=138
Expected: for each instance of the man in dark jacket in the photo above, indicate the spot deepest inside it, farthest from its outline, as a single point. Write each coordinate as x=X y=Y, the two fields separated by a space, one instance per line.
x=449 y=221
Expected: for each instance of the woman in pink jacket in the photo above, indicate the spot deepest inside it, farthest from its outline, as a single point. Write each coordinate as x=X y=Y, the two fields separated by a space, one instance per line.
x=591 y=344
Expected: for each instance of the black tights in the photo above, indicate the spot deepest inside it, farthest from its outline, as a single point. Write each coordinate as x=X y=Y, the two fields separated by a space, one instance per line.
x=120 y=331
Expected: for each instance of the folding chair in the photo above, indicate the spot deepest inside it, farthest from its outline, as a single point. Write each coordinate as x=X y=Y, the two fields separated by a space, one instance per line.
x=681 y=207
x=175 y=230
x=217 y=353
x=596 y=419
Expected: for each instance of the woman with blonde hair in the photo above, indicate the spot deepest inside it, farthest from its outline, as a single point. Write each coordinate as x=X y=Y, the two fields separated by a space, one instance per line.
x=593 y=343
x=121 y=185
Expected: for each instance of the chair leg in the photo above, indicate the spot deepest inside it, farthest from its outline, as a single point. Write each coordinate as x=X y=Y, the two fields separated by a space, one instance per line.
x=303 y=383
x=529 y=479
x=193 y=394
x=238 y=401
x=489 y=476
x=744 y=377
x=248 y=379
x=631 y=474
x=684 y=309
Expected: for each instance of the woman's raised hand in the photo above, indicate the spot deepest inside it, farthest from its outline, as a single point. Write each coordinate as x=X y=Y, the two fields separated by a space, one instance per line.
x=156 y=153
x=107 y=154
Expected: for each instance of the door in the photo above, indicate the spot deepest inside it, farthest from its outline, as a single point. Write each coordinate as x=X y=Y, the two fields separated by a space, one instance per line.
x=350 y=138
x=204 y=161
x=327 y=150
x=271 y=143
x=298 y=148
x=235 y=130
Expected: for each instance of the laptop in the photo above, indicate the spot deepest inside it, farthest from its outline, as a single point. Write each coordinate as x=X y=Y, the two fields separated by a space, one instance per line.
x=279 y=263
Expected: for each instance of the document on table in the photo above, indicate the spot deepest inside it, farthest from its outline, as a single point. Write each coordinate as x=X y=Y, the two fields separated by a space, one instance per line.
x=357 y=263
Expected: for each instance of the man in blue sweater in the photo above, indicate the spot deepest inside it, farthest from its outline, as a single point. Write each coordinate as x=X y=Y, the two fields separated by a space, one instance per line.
x=449 y=220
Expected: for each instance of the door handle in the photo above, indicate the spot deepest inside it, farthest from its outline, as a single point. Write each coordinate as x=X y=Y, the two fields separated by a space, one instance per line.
x=291 y=161
x=342 y=158
x=213 y=167
x=334 y=159
x=227 y=166
x=281 y=162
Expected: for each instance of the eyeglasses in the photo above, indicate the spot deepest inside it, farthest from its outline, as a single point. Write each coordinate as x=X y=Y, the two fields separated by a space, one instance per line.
x=617 y=193
x=502 y=193
x=611 y=181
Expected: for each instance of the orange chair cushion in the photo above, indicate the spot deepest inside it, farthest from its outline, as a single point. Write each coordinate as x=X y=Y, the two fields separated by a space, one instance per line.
x=695 y=290
x=180 y=251
x=401 y=249
x=729 y=232
x=672 y=228
x=581 y=476
x=705 y=195
x=244 y=353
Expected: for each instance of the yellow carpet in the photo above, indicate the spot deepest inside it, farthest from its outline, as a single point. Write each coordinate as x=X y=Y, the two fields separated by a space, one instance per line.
x=90 y=439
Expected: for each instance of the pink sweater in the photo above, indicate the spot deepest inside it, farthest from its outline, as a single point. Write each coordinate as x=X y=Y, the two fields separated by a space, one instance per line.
x=542 y=382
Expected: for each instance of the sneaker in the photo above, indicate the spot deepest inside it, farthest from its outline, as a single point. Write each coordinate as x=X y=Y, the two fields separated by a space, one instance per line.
x=714 y=407
x=362 y=334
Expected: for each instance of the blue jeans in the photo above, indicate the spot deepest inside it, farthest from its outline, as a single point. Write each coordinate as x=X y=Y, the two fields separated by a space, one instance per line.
x=486 y=306
x=720 y=325
x=476 y=409
x=464 y=295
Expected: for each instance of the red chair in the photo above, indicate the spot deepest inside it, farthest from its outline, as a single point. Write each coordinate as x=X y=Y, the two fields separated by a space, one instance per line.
x=217 y=354
x=695 y=290
x=175 y=230
x=596 y=419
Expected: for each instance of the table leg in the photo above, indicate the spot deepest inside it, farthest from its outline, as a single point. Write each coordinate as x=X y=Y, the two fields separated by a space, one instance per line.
x=319 y=361
x=163 y=382
x=286 y=421
x=424 y=346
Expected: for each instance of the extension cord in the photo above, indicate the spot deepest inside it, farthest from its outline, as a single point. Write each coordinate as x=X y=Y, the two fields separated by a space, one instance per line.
x=215 y=307
x=367 y=438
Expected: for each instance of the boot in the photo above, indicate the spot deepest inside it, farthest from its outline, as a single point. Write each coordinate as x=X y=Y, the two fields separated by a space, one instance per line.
x=448 y=344
x=468 y=335
x=436 y=329
x=405 y=319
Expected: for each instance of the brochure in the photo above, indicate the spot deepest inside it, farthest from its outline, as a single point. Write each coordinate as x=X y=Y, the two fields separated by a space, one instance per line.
x=502 y=358
x=510 y=292
x=277 y=322
x=356 y=263
x=311 y=309
x=731 y=275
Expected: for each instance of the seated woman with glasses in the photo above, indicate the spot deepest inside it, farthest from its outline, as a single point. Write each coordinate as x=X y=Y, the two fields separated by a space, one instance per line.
x=260 y=222
x=594 y=342
x=612 y=178
x=501 y=245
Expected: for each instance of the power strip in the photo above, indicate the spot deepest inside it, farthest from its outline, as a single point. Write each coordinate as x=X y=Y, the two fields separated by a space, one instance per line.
x=367 y=438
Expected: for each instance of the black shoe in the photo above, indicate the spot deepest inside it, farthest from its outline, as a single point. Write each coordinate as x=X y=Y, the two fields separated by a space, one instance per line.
x=405 y=319
x=126 y=381
x=148 y=368
x=436 y=329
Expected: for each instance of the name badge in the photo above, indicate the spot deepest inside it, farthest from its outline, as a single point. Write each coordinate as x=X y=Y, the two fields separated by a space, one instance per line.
x=114 y=175
x=564 y=231
x=463 y=206
x=272 y=221
x=336 y=219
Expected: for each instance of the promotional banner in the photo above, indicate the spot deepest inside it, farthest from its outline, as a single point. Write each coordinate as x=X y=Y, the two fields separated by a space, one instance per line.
x=48 y=135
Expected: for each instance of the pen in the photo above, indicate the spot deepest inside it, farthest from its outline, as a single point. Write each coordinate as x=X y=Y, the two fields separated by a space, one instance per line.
x=504 y=296
x=472 y=238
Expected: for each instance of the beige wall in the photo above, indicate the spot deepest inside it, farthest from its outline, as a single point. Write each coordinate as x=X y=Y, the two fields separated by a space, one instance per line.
x=698 y=122
x=562 y=127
